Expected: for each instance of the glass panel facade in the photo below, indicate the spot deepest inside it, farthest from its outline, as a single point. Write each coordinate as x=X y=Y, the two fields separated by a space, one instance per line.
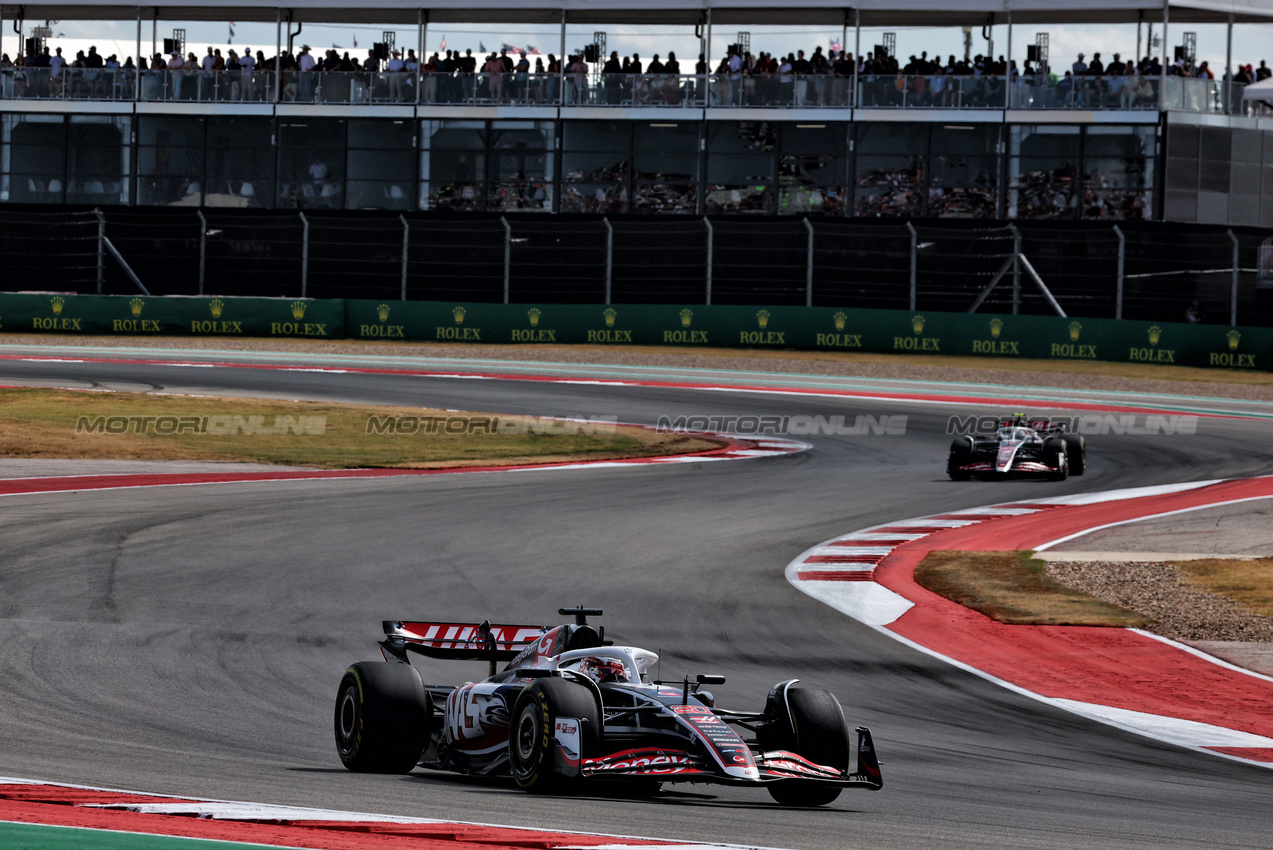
x=1118 y=168
x=964 y=181
x=35 y=158
x=891 y=170
x=453 y=165
x=381 y=165
x=1043 y=171
x=595 y=164
x=665 y=173
x=522 y=173
x=240 y=162
x=99 y=152
x=671 y=166
x=740 y=167
x=170 y=161
x=311 y=163
x=813 y=169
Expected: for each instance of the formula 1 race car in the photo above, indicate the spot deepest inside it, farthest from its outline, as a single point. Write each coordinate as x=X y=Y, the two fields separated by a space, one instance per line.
x=571 y=709
x=1020 y=447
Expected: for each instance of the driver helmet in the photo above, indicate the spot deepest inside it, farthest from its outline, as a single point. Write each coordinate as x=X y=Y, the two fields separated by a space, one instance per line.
x=602 y=670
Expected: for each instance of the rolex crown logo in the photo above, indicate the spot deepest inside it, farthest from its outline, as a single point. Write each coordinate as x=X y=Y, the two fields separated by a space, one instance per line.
x=135 y=306
x=687 y=316
x=996 y=327
x=57 y=302
x=840 y=319
x=610 y=315
x=917 y=324
x=1234 y=338
x=1155 y=334
x=383 y=312
x=1075 y=330
x=216 y=305
x=762 y=319
x=298 y=309
x=533 y=314
x=458 y=313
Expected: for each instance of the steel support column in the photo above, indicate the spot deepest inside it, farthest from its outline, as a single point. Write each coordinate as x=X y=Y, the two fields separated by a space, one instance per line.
x=609 y=255
x=914 y=265
x=1233 y=290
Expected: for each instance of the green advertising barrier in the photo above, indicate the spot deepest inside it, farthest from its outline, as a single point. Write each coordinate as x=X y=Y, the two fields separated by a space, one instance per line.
x=171 y=316
x=819 y=329
x=689 y=326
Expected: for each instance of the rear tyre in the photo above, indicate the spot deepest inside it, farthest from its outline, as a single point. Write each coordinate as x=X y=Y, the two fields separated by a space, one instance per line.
x=1076 y=453
x=820 y=735
x=383 y=717
x=532 y=741
x=960 y=455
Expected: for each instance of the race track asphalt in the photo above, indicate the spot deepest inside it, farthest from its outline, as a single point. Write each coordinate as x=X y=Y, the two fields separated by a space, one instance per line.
x=189 y=640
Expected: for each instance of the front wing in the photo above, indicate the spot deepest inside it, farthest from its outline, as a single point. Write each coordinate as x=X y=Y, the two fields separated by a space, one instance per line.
x=672 y=765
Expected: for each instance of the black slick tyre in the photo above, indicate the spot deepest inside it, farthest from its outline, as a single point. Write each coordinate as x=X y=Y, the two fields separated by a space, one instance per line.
x=1056 y=454
x=1076 y=453
x=532 y=743
x=960 y=455
x=820 y=735
x=383 y=717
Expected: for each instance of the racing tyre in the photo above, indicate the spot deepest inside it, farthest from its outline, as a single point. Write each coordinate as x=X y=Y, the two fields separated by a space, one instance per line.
x=960 y=455
x=1059 y=457
x=383 y=717
x=532 y=738
x=821 y=736
x=1076 y=453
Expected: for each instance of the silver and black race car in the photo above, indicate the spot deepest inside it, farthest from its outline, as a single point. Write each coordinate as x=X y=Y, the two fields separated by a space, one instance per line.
x=571 y=708
x=1020 y=447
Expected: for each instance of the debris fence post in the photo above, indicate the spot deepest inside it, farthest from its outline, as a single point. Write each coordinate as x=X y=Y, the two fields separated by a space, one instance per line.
x=1233 y=290
x=508 y=254
x=203 y=247
x=609 y=255
x=914 y=265
x=304 y=255
x=406 y=248
x=1122 y=267
x=101 y=249
x=808 y=274
x=710 y=239
x=1016 y=269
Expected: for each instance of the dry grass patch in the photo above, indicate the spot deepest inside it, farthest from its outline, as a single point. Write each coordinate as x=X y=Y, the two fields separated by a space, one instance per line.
x=1013 y=588
x=41 y=423
x=1249 y=582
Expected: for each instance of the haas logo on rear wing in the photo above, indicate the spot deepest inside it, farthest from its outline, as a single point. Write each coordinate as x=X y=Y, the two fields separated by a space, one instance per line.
x=457 y=641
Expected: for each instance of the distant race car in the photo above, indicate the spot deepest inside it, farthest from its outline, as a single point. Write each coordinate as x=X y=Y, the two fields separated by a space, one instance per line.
x=1020 y=447
x=571 y=709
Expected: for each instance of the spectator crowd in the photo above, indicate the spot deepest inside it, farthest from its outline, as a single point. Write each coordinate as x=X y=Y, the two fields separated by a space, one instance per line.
x=740 y=78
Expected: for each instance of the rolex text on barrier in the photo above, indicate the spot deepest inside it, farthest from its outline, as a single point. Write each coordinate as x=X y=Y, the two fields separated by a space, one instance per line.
x=687 y=326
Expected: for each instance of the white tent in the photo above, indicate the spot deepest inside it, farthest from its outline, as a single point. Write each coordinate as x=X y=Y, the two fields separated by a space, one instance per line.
x=1262 y=90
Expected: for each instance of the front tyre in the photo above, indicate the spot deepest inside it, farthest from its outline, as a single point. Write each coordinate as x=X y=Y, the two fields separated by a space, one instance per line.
x=820 y=735
x=532 y=736
x=960 y=456
x=1076 y=453
x=383 y=717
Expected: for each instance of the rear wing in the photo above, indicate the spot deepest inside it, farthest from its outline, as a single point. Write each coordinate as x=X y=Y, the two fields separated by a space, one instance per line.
x=457 y=641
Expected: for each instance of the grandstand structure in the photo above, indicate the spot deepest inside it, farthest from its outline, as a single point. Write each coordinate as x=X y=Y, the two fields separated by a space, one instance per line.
x=1163 y=147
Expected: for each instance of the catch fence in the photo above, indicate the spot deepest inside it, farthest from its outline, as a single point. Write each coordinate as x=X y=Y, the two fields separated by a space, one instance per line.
x=1152 y=271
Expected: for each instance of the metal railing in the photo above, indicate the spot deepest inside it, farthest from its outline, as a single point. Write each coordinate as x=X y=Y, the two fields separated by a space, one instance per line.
x=782 y=91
